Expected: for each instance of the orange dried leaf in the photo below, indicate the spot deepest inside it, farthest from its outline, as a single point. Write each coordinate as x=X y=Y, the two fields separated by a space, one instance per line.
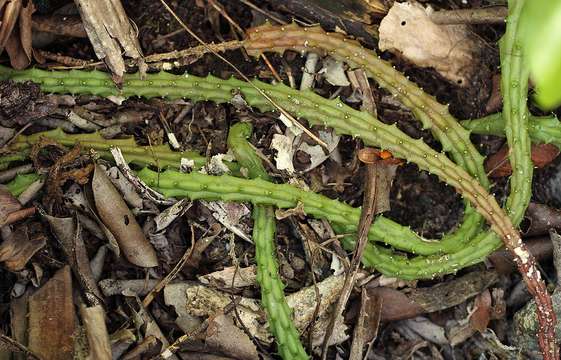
x=498 y=165
x=481 y=315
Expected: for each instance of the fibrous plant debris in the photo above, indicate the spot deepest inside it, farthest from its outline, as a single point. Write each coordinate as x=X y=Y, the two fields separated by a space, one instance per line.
x=174 y=215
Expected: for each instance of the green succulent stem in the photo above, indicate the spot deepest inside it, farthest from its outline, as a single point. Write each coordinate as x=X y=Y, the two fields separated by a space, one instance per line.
x=316 y=109
x=21 y=182
x=260 y=192
x=279 y=314
x=542 y=129
x=161 y=156
x=344 y=120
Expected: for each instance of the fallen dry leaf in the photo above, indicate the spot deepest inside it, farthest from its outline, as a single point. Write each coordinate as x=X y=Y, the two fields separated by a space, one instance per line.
x=69 y=234
x=10 y=15
x=52 y=318
x=223 y=335
x=398 y=305
x=450 y=49
x=541 y=219
x=18 y=248
x=395 y=304
x=498 y=165
x=481 y=314
x=139 y=287
x=366 y=327
x=194 y=300
x=121 y=222
x=8 y=204
x=231 y=277
x=19 y=46
x=283 y=145
x=19 y=321
x=334 y=72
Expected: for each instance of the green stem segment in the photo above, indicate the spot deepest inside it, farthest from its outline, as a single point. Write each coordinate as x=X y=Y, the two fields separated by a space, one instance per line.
x=279 y=314
x=260 y=192
x=161 y=156
x=316 y=109
x=542 y=129
x=514 y=88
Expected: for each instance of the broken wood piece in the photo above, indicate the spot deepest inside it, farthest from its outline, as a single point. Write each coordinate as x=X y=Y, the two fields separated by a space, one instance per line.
x=93 y=319
x=110 y=32
x=52 y=318
x=483 y=15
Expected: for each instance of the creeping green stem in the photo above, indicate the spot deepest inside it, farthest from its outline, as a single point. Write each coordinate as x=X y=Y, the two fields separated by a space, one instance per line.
x=161 y=156
x=21 y=182
x=279 y=314
x=514 y=88
x=316 y=109
x=260 y=192
x=542 y=129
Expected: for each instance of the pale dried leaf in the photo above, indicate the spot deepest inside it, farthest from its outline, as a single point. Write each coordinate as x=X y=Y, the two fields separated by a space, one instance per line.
x=166 y=217
x=198 y=300
x=230 y=215
x=216 y=165
x=426 y=329
x=317 y=153
x=452 y=50
x=139 y=287
x=125 y=187
x=232 y=276
x=118 y=218
x=334 y=72
x=229 y=339
x=283 y=145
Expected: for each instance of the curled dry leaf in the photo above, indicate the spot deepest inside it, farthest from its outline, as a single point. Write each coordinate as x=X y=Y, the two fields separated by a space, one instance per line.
x=118 y=218
x=19 y=46
x=450 y=49
x=52 y=318
x=541 y=219
x=8 y=204
x=223 y=335
x=397 y=305
x=481 y=315
x=69 y=233
x=498 y=165
x=17 y=248
x=232 y=276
